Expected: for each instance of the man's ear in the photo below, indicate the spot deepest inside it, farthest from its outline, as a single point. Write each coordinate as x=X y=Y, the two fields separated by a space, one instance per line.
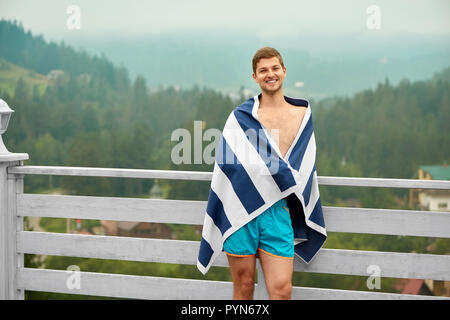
x=254 y=76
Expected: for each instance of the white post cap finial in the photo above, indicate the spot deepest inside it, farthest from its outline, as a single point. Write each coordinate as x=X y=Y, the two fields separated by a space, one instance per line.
x=5 y=115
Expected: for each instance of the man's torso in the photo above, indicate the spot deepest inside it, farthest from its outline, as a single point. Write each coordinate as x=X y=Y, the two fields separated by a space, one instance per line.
x=287 y=120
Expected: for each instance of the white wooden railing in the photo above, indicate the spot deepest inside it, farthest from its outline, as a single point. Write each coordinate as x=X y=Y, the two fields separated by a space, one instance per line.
x=15 y=242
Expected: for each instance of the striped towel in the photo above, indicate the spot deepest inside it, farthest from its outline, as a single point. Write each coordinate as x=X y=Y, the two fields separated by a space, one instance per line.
x=250 y=175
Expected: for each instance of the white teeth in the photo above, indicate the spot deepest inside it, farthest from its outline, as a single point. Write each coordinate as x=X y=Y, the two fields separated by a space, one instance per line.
x=271 y=81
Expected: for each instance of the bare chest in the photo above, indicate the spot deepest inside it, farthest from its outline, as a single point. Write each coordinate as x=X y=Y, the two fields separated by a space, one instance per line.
x=282 y=125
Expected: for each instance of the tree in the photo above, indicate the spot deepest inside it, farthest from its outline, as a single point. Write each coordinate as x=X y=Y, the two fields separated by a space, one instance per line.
x=86 y=151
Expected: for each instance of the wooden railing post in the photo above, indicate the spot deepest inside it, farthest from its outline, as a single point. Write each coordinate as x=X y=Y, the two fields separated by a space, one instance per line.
x=10 y=223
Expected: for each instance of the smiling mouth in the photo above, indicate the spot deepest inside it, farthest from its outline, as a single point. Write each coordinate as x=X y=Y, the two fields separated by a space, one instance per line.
x=271 y=81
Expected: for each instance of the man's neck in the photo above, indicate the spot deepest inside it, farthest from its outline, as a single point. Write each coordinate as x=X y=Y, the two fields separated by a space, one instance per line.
x=272 y=101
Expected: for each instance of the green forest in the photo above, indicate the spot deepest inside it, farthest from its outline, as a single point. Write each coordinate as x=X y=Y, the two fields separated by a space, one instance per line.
x=93 y=115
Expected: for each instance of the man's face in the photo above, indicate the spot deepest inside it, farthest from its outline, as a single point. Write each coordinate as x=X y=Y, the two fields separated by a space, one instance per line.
x=269 y=74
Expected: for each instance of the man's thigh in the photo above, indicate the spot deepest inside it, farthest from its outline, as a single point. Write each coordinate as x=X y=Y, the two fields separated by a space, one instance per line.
x=242 y=268
x=277 y=271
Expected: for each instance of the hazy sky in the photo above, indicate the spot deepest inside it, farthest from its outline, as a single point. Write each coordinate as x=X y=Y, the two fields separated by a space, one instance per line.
x=262 y=18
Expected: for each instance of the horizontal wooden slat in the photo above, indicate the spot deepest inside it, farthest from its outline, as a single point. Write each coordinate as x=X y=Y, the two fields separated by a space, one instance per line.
x=337 y=219
x=384 y=182
x=206 y=176
x=112 y=172
x=390 y=264
x=109 y=247
x=303 y=293
x=145 y=287
x=334 y=261
x=387 y=221
x=111 y=208
x=124 y=286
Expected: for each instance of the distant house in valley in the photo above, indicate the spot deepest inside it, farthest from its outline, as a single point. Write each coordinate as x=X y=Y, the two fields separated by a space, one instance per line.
x=137 y=229
x=55 y=74
x=429 y=199
x=140 y=229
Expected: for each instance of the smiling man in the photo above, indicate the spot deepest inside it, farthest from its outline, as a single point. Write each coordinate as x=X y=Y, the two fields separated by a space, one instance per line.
x=270 y=235
x=255 y=209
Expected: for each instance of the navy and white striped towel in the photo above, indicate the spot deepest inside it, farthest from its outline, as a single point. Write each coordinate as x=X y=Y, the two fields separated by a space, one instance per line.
x=250 y=175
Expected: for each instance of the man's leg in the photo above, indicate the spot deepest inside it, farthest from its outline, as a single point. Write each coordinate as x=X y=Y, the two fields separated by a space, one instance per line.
x=243 y=276
x=278 y=273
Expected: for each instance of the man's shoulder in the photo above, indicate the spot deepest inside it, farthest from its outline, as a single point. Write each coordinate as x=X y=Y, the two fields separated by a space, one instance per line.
x=243 y=109
x=246 y=105
x=297 y=102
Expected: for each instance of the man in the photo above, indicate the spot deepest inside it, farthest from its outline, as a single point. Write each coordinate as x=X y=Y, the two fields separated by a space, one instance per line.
x=264 y=198
x=274 y=113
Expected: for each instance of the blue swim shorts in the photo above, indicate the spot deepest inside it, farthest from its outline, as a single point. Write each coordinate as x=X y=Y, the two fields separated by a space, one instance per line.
x=270 y=232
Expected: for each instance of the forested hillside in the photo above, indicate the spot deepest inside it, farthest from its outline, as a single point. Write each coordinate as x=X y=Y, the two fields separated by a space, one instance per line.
x=390 y=131
x=93 y=115
x=88 y=119
x=96 y=116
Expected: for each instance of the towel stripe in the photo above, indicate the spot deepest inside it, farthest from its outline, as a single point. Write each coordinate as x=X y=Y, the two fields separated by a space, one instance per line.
x=308 y=161
x=239 y=178
x=211 y=243
x=205 y=252
x=217 y=213
x=293 y=101
x=223 y=188
x=308 y=249
x=307 y=191
x=315 y=206
x=317 y=214
x=298 y=152
x=280 y=172
x=250 y=159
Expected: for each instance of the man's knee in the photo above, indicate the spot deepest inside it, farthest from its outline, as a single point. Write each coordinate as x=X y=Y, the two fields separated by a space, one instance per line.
x=246 y=281
x=280 y=290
